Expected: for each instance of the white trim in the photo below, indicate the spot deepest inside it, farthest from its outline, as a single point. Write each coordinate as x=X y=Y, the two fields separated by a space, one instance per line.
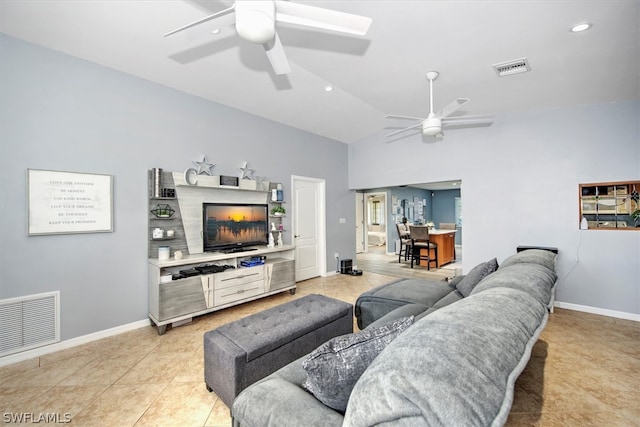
x=600 y=311
x=73 y=342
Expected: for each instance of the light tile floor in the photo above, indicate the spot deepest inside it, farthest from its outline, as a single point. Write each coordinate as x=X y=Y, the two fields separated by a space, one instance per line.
x=585 y=370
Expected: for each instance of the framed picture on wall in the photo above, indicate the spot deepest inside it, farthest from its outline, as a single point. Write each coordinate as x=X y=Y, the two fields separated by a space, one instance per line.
x=68 y=202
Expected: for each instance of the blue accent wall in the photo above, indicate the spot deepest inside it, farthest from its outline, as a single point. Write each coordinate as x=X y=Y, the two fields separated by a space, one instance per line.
x=444 y=209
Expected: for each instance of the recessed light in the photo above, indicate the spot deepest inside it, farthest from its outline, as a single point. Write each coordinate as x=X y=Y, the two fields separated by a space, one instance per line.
x=216 y=31
x=583 y=26
x=328 y=88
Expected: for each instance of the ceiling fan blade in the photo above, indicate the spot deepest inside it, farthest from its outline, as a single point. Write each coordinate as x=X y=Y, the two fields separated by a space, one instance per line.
x=467 y=120
x=393 y=116
x=201 y=21
x=317 y=17
x=417 y=125
x=452 y=107
x=277 y=57
x=478 y=117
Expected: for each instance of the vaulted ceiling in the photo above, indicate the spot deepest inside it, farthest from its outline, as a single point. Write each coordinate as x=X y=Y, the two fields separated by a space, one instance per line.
x=380 y=73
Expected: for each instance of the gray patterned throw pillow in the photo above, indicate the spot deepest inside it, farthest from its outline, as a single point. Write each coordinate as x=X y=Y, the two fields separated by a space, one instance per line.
x=334 y=368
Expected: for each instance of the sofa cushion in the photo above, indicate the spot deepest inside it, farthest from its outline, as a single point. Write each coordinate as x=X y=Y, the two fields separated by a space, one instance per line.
x=455 y=367
x=533 y=256
x=280 y=401
x=408 y=310
x=377 y=302
x=534 y=279
x=419 y=291
x=335 y=367
x=477 y=273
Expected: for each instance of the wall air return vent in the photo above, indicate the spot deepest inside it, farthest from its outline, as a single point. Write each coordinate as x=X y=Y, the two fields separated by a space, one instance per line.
x=512 y=67
x=29 y=322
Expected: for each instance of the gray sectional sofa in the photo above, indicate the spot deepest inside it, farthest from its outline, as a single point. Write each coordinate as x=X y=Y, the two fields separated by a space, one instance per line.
x=416 y=297
x=453 y=366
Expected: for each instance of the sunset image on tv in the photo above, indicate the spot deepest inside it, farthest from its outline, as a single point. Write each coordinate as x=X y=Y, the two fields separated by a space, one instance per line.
x=235 y=224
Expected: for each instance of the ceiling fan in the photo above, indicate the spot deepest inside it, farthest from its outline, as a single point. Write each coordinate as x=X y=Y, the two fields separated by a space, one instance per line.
x=433 y=124
x=255 y=21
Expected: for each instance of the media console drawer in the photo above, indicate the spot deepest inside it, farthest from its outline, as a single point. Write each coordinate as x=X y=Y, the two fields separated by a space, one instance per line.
x=238 y=276
x=235 y=293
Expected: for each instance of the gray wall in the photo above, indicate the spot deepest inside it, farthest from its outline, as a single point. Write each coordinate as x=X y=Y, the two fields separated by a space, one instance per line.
x=61 y=113
x=520 y=186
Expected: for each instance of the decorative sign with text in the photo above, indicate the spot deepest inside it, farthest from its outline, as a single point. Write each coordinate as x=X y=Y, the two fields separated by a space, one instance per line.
x=69 y=202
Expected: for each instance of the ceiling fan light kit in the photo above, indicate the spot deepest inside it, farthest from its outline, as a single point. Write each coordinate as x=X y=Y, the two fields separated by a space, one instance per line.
x=255 y=21
x=433 y=124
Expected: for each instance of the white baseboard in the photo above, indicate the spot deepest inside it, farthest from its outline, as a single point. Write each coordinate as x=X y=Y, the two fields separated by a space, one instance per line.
x=599 y=311
x=73 y=342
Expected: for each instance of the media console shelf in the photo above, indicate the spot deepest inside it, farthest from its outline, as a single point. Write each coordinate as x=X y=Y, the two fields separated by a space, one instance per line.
x=181 y=299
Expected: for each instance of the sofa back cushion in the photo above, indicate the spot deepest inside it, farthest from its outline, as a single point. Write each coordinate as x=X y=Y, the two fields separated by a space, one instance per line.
x=534 y=279
x=532 y=256
x=455 y=367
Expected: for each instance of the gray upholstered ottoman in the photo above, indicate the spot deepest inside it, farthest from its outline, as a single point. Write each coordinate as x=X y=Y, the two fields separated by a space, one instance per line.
x=242 y=352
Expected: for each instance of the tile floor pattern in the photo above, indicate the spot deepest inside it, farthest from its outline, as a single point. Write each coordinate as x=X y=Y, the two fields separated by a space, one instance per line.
x=585 y=370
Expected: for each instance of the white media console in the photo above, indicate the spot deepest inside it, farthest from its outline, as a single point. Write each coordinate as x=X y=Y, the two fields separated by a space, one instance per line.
x=176 y=300
x=175 y=297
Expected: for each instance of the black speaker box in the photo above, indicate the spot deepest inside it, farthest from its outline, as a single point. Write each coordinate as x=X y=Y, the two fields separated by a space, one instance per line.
x=345 y=266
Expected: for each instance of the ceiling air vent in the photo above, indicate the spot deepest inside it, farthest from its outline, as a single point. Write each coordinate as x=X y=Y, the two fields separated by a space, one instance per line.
x=512 y=67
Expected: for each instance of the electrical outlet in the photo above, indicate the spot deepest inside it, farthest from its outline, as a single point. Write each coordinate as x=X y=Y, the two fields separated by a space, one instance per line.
x=337 y=255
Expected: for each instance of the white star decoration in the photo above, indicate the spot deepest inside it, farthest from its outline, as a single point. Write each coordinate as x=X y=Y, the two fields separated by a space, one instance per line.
x=246 y=172
x=204 y=167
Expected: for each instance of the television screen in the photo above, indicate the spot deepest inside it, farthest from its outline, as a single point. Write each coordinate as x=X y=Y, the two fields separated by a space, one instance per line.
x=234 y=225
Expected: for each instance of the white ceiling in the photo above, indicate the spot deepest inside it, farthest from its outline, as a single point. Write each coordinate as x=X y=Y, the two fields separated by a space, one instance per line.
x=380 y=73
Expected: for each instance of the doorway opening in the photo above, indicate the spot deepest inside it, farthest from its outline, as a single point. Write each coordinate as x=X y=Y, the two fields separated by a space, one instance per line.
x=376 y=220
x=436 y=204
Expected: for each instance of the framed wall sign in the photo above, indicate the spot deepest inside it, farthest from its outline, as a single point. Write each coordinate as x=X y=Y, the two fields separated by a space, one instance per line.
x=68 y=202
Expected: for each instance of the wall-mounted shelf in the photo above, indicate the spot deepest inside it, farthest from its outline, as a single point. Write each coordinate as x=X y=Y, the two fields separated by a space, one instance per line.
x=610 y=205
x=221 y=187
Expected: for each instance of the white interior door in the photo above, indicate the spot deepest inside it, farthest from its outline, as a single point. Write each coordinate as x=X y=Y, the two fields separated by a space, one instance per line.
x=360 y=247
x=308 y=226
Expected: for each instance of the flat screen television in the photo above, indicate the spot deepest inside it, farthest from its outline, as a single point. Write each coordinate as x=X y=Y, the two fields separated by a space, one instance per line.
x=231 y=227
